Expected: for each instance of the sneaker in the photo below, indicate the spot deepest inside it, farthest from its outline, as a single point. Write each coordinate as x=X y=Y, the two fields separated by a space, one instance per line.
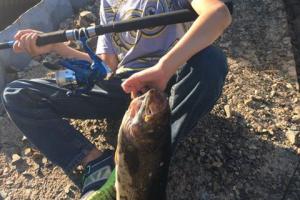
x=97 y=172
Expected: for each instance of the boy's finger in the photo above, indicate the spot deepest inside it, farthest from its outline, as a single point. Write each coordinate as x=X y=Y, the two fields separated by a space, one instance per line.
x=132 y=95
x=126 y=86
x=27 y=43
x=17 y=47
x=33 y=47
x=20 y=33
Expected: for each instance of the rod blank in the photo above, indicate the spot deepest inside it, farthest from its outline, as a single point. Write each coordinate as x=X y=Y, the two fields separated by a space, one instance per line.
x=174 y=17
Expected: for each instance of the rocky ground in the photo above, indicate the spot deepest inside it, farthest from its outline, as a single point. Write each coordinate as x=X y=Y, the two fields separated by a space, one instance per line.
x=246 y=148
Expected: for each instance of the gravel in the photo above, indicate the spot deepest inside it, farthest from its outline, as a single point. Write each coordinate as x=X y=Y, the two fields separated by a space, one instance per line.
x=246 y=148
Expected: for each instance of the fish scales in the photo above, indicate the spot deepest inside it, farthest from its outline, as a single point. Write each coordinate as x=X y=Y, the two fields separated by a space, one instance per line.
x=143 y=149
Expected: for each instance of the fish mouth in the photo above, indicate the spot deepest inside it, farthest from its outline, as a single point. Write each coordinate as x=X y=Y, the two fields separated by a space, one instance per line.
x=146 y=112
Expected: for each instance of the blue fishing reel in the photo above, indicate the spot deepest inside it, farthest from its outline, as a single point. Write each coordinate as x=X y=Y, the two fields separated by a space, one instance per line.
x=80 y=76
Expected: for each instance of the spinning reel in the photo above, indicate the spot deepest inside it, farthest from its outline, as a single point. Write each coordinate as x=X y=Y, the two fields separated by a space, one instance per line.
x=79 y=76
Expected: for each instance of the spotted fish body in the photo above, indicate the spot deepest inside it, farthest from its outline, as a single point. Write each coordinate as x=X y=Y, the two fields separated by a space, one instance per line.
x=143 y=149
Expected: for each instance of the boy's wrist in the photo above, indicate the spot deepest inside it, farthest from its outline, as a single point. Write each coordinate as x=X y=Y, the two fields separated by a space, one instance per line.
x=58 y=47
x=166 y=68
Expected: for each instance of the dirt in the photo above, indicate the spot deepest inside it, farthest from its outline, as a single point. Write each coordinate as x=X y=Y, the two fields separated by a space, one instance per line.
x=246 y=148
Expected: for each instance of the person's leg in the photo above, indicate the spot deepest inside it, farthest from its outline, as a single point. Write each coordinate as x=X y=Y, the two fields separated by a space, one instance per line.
x=196 y=88
x=38 y=108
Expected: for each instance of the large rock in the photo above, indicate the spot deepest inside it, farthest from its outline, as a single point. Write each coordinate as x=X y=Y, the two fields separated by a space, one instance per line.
x=45 y=17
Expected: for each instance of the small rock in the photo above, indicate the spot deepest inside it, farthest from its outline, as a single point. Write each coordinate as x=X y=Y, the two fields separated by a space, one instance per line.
x=289 y=86
x=9 y=182
x=86 y=18
x=27 y=194
x=34 y=195
x=248 y=101
x=251 y=157
x=217 y=164
x=28 y=152
x=37 y=157
x=252 y=146
x=297 y=110
x=295 y=100
x=24 y=139
x=189 y=187
x=270 y=131
x=36 y=167
x=6 y=170
x=230 y=146
x=216 y=186
x=27 y=175
x=257 y=98
x=3 y=194
x=44 y=161
x=69 y=189
x=292 y=136
x=80 y=168
x=294 y=128
x=296 y=118
x=272 y=93
x=227 y=111
x=16 y=159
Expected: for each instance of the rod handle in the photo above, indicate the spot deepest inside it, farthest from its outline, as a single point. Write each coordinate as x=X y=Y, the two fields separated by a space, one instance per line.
x=51 y=38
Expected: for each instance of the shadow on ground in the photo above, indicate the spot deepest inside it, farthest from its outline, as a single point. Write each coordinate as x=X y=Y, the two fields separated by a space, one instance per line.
x=223 y=159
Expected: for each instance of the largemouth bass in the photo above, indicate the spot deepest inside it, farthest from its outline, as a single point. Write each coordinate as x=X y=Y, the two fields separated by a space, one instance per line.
x=143 y=150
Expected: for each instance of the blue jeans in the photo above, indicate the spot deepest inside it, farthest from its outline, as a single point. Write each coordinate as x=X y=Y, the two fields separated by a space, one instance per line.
x=39 y=107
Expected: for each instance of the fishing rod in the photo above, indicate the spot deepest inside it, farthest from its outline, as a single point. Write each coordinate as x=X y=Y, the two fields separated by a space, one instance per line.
x=173 y=17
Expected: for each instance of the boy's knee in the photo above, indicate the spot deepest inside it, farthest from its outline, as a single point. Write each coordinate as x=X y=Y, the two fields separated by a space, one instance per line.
x=212 y=67
x=213 y=62
x=12 y=95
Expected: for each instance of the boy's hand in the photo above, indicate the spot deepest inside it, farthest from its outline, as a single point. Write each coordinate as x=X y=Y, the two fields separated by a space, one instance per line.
x=153 y=77
x=25 y=41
